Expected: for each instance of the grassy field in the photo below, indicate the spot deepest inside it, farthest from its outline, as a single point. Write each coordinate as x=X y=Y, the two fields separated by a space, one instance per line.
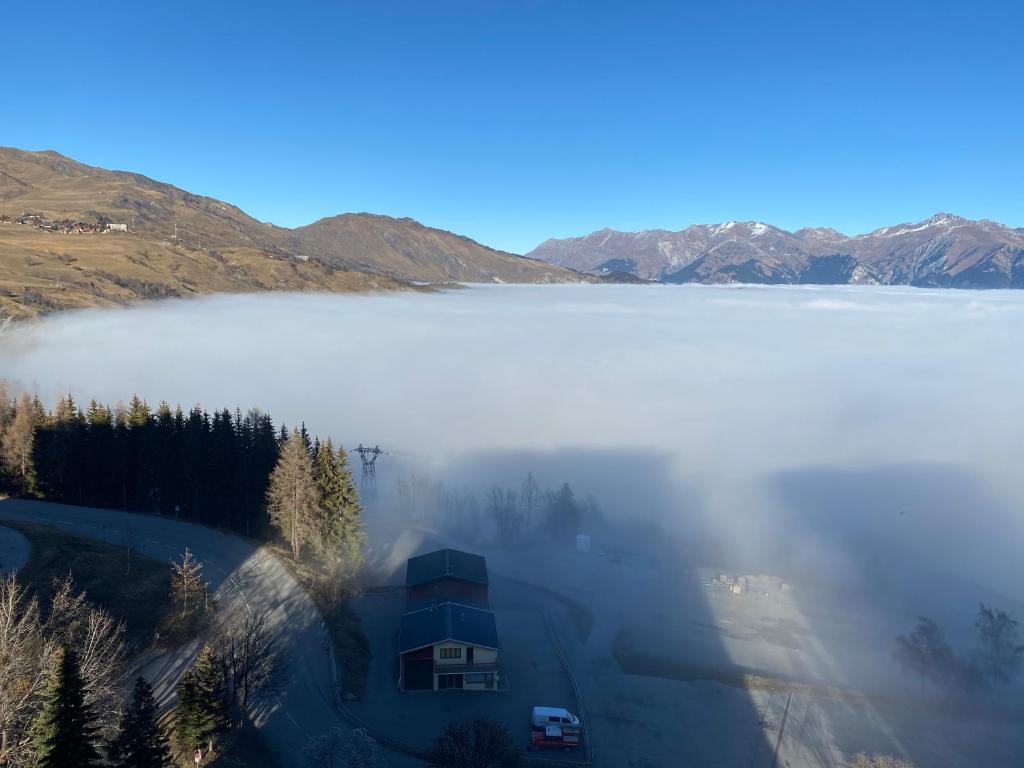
x=43 y=272
x=139 y=595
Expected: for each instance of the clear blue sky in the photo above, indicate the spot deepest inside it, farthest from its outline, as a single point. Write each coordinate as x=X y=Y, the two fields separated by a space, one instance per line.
x=516 y=121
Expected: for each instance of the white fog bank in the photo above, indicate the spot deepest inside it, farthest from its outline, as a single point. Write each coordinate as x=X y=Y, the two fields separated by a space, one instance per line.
x=712 y=387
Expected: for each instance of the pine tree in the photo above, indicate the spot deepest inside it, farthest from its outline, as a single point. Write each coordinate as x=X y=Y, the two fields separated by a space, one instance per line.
x=563 y=513
x=188 y=715
x=202 y=714
x=64 y=731
x=212 y=690
x=292 y=495
x=141 y=742
x=329 y=496
x=353 y=537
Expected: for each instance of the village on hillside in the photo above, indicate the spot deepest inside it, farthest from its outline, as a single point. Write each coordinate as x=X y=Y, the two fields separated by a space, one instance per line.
x=63 y=226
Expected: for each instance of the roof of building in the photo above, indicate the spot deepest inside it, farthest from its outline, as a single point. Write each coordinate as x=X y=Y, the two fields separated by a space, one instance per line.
x=428 y=602
x=448 y=622
x=445 y=564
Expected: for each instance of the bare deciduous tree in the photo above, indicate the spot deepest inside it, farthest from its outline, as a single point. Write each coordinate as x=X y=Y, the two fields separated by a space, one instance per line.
x=336 y=749
x=926 y=652
x=187 y=585
x=864 y=760
x=254 y=662
x=530 y=499
x=27 y=645
x=507 y=515
x=999 y=656
x=18 y=440
x=98 y=641
x=22 y=673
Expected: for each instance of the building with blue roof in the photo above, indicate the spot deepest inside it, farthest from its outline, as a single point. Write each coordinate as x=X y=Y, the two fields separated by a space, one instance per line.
x=448 y=638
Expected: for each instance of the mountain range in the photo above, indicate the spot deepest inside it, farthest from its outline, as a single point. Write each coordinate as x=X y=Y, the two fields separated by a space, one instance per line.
x=61 y=244
x=73 y=235
x=944 y=251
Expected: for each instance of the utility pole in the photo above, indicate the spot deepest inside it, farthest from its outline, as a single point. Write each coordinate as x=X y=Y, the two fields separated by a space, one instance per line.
x=782 y=727
x=128 y=546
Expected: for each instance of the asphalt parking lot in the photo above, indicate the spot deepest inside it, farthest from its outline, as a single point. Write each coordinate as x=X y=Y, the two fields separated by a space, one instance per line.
x=528 y=660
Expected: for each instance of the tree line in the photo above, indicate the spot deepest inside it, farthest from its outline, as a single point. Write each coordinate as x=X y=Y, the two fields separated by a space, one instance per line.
x=505 y=516
x=225 y=469
x=997 y=657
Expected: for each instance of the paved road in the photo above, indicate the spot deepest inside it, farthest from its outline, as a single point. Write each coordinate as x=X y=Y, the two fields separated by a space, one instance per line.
x=14 y=550
x=242 y=577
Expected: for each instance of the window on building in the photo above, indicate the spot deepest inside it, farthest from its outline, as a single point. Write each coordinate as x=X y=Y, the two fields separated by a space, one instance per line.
x=451 y=653
x=485 y=679
x=445 y=682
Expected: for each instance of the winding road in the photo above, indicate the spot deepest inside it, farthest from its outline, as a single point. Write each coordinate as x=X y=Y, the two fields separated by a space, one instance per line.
x=242 y=577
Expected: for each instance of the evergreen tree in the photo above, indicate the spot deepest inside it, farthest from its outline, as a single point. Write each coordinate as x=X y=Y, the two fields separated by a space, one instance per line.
x=292 y=496
x=64 y=731
x=351 y=506
x=563 y=513
x=330 y=499
x=141 y=742
x=212 y=690
x=188 y=715
x=202 y=714
x=353 y=537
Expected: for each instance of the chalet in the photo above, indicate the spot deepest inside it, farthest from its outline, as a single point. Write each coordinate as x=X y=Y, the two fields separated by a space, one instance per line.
x=448 y=638
x=446 y=574
x=449 y=646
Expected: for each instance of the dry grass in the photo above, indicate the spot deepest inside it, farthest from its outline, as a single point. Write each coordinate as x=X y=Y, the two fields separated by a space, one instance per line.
x=140 y=596
x=182 y=244
x=42 y=272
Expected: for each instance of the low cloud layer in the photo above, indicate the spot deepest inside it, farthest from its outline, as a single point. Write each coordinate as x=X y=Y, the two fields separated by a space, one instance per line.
x=732 y=400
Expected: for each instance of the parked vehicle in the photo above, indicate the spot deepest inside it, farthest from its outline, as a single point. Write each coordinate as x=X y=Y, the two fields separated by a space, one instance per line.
x=554 y=728
x=543 y=716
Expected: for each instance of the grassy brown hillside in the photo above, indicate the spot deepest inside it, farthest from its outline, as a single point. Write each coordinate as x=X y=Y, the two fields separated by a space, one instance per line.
x=43 y=272
x=405 y=248
x=180 y=244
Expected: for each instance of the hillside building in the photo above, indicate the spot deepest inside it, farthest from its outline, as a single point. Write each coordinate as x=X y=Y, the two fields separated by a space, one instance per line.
x=448 y=638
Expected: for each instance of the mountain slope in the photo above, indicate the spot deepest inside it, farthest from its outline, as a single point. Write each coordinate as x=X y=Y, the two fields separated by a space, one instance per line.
x=178 y=243
x=941 y=251
x=406 y=248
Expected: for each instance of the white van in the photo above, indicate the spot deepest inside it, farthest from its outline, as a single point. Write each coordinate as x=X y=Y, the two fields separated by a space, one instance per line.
x=555 y=716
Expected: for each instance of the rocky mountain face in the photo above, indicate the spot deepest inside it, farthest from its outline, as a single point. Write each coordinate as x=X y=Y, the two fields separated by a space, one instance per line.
x=941 y=251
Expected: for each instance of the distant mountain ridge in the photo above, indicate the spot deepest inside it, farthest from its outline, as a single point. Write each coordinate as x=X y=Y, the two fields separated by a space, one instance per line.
x=944 y=251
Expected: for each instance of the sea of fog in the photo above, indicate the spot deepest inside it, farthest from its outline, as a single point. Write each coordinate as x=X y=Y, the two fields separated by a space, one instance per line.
x=825 y=426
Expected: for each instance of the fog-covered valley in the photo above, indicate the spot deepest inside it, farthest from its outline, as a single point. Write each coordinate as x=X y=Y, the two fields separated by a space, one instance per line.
x=855 y=449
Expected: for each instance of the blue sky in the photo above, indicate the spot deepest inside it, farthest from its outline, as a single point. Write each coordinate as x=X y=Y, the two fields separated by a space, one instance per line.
x=512 y=122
